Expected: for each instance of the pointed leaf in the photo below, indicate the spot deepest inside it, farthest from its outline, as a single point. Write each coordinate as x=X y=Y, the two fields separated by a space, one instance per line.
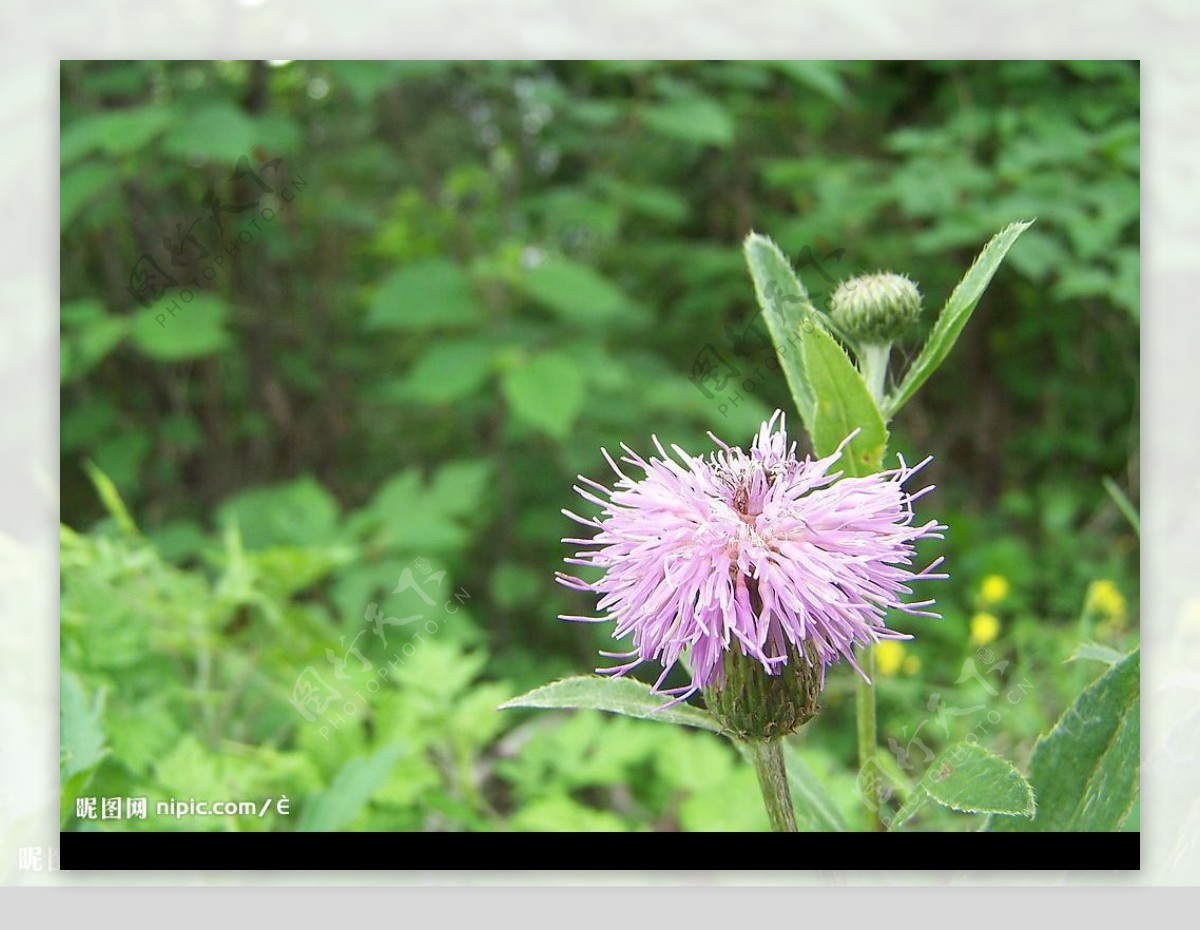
x=1097 y=652
x=110 y=497
x=349 y=792
x=955 y=314
x=967 y=777
x=616 y=695
x=785 y=308
x=1085 y=770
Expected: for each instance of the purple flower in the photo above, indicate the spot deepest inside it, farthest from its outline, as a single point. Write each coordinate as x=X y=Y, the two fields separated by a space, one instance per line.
x=758 y=552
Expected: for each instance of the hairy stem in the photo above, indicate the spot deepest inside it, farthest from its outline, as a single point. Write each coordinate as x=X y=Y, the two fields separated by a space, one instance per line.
x=772 y=779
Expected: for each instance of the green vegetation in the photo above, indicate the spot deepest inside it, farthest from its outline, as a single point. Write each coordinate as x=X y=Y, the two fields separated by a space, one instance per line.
x=335 y=463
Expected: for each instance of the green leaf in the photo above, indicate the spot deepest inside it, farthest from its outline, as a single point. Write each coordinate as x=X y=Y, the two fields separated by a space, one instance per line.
x=349 y=792
x=547 y=393
x=110 y=497
x=220 y=131
x=449 y=371
x=89 y=335
x=813 y=804
x=616 y=695
x=966 y=777
x=557 y=813
x=116 y=132
x=196 y=329
x=828 y=391
x=425 y=295
x=82 y=738
x=577 y=293
x=80 y=186
x=298 y=513
x=1095 y=652
x=460 y=487
x=1085 y=770
x=815 y=75
x=955 y=314
x=785 y=308
x=1123 y=504
x=406 y=513
x=842 y=404
x=695 y=119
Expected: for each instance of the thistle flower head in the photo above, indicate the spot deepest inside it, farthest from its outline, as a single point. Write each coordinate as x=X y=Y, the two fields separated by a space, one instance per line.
x=749 y=557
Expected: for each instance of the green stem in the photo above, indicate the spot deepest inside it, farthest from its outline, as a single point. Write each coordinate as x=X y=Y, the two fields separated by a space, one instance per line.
x=772 y=779
x=864 y=709
x=873 y=365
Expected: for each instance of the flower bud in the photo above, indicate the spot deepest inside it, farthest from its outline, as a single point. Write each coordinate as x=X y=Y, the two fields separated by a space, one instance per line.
x=752 y=704
x=875 y=308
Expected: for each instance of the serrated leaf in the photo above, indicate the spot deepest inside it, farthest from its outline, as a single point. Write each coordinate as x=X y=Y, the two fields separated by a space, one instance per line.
x=967 y=777
x=955 y=314
x=617 y=696
x=842 y=405
x=1085 y=770
x=814 y=807
x=424 y=295
x=547 y=393
x=349 y=792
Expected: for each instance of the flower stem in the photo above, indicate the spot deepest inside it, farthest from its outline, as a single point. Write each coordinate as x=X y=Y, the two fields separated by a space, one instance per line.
x=873 y=365
x=772 y=779
x=864 y=709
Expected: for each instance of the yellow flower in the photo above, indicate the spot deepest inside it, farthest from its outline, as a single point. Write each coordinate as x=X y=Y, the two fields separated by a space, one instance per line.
x=889 y=656
x=994 y=589
x=1106 y=601
x=984 y=628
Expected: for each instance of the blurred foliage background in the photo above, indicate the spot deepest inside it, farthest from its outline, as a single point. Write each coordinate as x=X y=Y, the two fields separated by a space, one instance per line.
x=412 y=300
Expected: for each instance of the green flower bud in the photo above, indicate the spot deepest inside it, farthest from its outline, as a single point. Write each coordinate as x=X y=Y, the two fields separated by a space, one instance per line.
x=875 y=308
x=753 y=705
